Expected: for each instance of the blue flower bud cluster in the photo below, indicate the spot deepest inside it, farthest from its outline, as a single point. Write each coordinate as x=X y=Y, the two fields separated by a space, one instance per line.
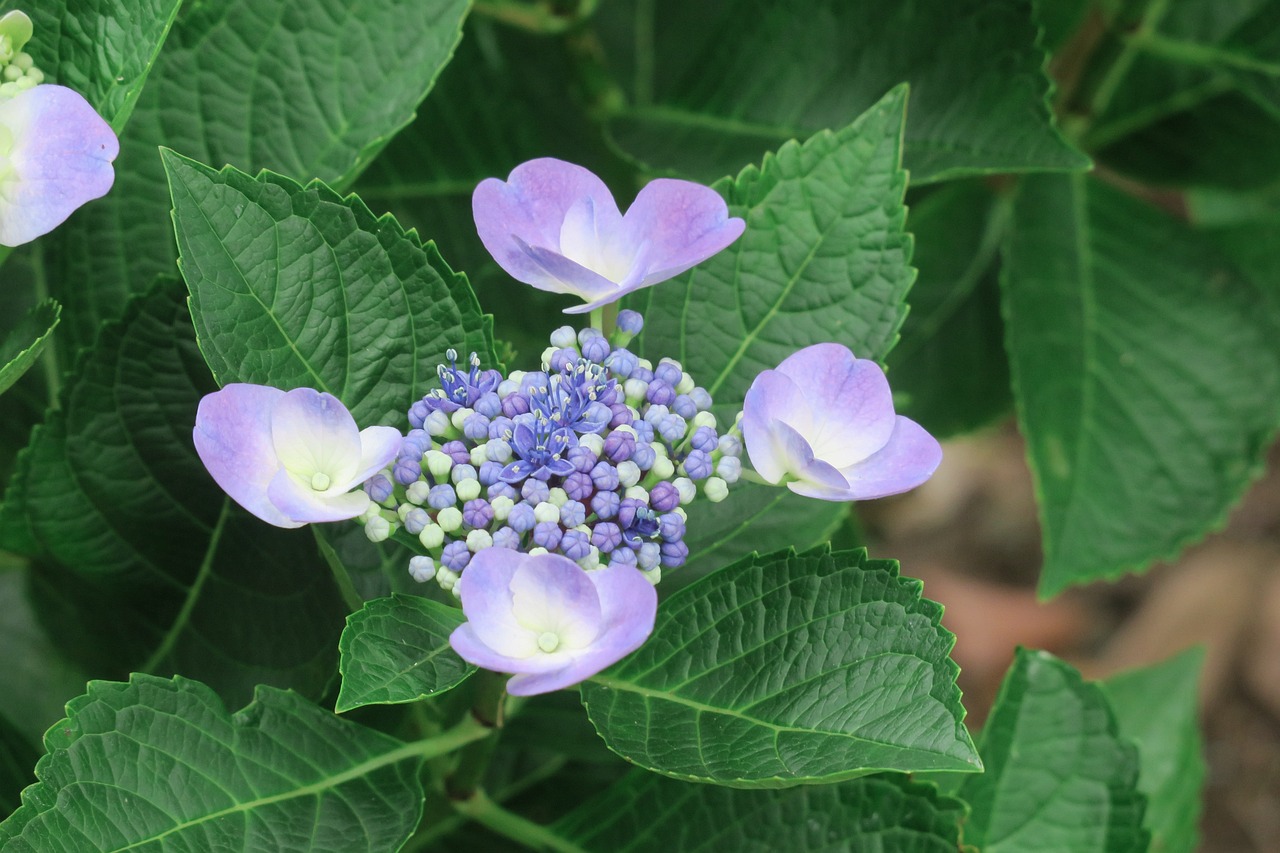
x=594 y=457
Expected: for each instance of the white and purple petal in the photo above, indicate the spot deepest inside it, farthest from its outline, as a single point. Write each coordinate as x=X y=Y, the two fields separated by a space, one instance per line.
x=314 y=433
x=908 y=459
x=485 y=590
x=233 y=439
x=294 y=496
x=683 y=224
x=60 y=157
x=379 y=445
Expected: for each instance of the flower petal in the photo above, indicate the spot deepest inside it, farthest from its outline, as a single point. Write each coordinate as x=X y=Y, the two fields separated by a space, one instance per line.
x=562 y=275
x=61 y=158
x=908 y=459
x=814 y=477
x=313 y=432
x=684 y=224
x=551 y=593
x=531 y=205
x=293 y=496
x=771 y=397
x=378 y=446
x=485 y=589
x=850 y=400
x=233 y=439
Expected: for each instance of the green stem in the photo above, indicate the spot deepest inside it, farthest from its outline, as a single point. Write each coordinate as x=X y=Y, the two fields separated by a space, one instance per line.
x=486 y=710
x=341 y=576
x=595 y=320
x=752 y=477
x=535 y=836
x=48 y=358
x=1119 y=69
x=535 y=17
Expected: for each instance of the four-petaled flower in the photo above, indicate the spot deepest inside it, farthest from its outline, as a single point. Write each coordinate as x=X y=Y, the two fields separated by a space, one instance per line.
x=823 y=423
x=290 y=458
x=547 y=620
x=556 y=226
x=55 y=155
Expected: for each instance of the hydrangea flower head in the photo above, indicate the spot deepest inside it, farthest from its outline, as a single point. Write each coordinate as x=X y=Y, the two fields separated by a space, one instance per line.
x=55 y=151
x=823 y=423
x=556 y=226
x=290 y=457
x=547 y=620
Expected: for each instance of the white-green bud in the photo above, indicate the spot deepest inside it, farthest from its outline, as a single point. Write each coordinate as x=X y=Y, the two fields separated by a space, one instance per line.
x=372 y=511
x=449 y=519
x=417 y=492
x=563 y=337
x=684 y=516
x=403 y=510
x=478 y=540
x=459 y=417
x=660 y=450
x=8 y=90
x=635 y=389
x=507 y=387
x=467 y=490
x=685 y=385
x=640 y=493
x=715 y=489
x=628 y=474
x=35 y=75
x=558 y=496
x=645 y=363
x=686 y=489
x=431 y=537
x=377 y=529
x=546 y=511
x=662 y=468
x=498 y=450
x=479 y=456
x=592 y=560
x=704 y=419
x=592 y=442
x=436 y=424
x=533 y=552
x=422 y=569
x=439 y=464
x=12 y=73
x=501 y=507
x=546 y=357
x=447 y=578
x=23 y=60
x=654 y=575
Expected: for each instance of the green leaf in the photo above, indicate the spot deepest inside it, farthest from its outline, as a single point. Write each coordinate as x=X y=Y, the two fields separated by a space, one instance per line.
x=752 y=519
x=1059 y=776
x=104 y=49
x=161 y=764
x=645 y=812
x=22 y=346
x=1157 y=707
x=716 y=84
x=789 y=669
x=1126 y=331
x=397 y=649
x=949 y=372
x=295 y=286
x=143 y=563
x=824 y=258
x=307 y=88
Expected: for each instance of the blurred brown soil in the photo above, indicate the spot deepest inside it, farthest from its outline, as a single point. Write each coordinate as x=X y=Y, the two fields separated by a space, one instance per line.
x=971 y=535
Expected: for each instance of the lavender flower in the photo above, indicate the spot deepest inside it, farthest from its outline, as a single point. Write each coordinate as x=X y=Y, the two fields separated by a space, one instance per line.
x=823 y=423
x=549 y=621
x=290 y=458
x=556 y=226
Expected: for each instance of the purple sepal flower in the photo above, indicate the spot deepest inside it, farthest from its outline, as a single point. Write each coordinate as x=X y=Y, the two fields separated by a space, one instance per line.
x=582 y=458
x=378 y=488
x=671 y=527
x=697 y=465
x=515 y=404
x=55 y=155
x=572 y=513
x=555 y=226
x=596 y=349
x=541 y=452
x=547 y=620
x=685 y=407
x=674 y=554
x=604 y=476
x=619 y=446
x=705 y=439
x=458 y=388
x=457 y=451
x=823 y=423
x=290 y=458
x=621 y=415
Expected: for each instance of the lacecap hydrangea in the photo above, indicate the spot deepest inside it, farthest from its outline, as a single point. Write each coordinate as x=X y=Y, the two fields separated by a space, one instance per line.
x=593 y=457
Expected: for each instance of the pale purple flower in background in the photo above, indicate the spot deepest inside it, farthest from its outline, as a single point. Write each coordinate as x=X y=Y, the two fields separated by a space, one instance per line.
x=290 y=457
x=548 y=620
x=556 y=226
x=55 y=155
x=823 y=424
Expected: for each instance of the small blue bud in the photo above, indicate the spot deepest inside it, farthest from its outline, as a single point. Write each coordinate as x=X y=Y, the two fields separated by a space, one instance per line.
x=700 y=398
x=674 y=554
x=648 y=556
x=476 y=427
x=575 y=544
x=505 y=537
x=547 y=534
x=630 y=321
x=572 y=513
x=535 y=491
x=606 y=536
x=622 y=363
x=456 y=555
x=704 y=439
x=596 y=349
x=684 y=407
x=605 y=504
x=672 y=428
x=563 y=337
x=416 y=519
x=645 y=456
x=441 y=496
x=378 y=488
x=697 y=465
x=622 y=556
x=668 y=373
x=490 y=405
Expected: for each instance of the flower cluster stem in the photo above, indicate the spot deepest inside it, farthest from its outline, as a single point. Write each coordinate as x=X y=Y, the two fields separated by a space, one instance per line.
x=488 y=710
x=535 y=836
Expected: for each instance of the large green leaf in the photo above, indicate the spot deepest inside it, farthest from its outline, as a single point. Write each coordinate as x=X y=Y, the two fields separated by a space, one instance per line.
x=23 y=345
x=104 y=49
x=824 y=258
x=1126 y=332
x=396 y=649
x=37 y=680
x=789 y=669
x=295 y=286
x=1058 y=775
x=715 y=84
x=143 y=562
x=949 y=371
x=307 y=88
x=644 y=812
x=17 y=757
x=161 y=764
x=1157 y=707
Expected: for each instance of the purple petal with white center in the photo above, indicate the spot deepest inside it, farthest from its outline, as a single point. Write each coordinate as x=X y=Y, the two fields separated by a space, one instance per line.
x=551 y=593
x=564 y=275
x=908 y=459
x=314 y=433
x=233 y=439
x=294 y=496
x=485 y=589
x=378 y=446
x=532 y=205
x=60 y=158
x=850 y=402
x=772 y=396
x=816 y=474
x=684 y=224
